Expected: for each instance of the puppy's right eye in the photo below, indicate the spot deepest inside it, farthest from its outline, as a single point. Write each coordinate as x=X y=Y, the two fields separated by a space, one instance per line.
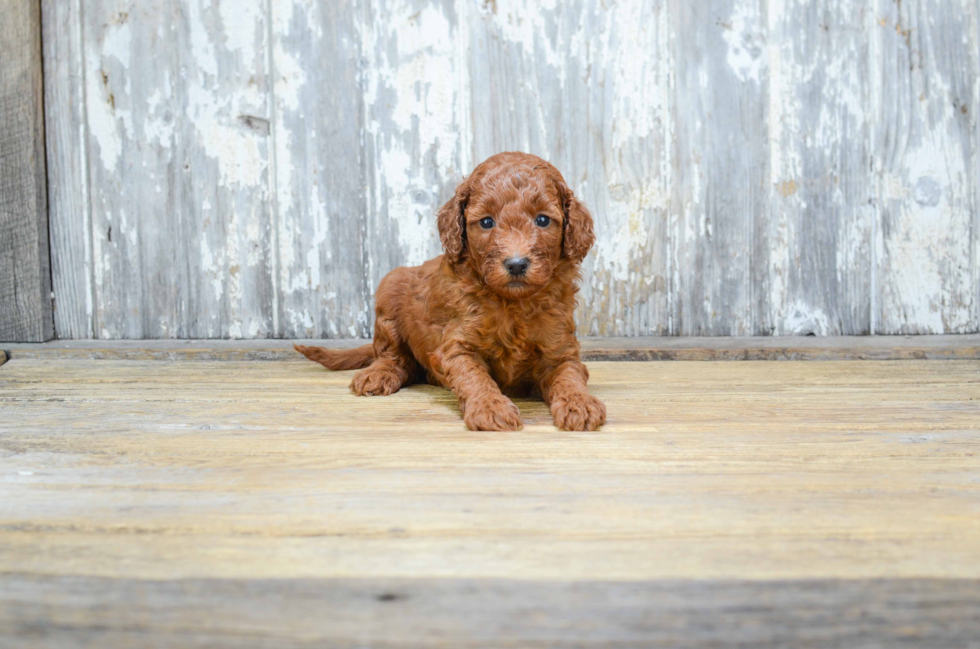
x=486 y=223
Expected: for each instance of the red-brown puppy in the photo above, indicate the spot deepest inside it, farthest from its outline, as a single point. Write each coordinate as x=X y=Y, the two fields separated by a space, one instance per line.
x=492 y=316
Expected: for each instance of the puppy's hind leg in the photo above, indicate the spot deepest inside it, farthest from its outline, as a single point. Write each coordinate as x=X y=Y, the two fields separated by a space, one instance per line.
x=393 y=366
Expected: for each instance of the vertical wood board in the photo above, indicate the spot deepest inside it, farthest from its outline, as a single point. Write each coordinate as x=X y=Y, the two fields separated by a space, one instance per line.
x=926 y=153
x=67 y=149
x=720 y=209
x=25 y=275
x=320 y=198
x=822 y=185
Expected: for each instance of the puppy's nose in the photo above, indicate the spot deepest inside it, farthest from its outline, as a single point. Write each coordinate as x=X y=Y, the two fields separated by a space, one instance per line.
x=516 y=266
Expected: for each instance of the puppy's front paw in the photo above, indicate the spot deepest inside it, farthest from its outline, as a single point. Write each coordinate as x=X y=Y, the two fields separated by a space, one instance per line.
x=578 y=412
x=493 y=413
x=374 y=381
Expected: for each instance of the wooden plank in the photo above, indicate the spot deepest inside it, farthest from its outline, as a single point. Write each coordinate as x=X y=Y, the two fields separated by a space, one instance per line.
x=61 y=611
x=881 y=348
x=720 y=253
x=323 y=289
x=67 y=153
x=25 y=274
x=565 y=81
x=823 y=186
x=975 y=264
x=927 y=157
x=178 y=118
x=415 y=125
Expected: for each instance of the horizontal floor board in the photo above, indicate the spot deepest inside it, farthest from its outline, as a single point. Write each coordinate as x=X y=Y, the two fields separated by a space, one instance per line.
x=99 y=612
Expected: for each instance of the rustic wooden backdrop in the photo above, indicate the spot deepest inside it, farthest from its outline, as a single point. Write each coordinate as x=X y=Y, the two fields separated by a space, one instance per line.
x=253 y=168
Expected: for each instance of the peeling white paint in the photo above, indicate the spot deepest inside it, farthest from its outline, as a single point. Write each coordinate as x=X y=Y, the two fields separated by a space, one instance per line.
x=927 y=263
x=102 y=85
x=529 y=24
x=117 y=42
x=240 y=27
x=202 y=49
x=926 y=228
x=158 y=126
x=804 y=320
x=102 y=122
x=591 y=86
x=628 y=211
x=785 y=75
x=412 y=113
x=744 y=33
x=290 y=71
x=640 y=97
x=216 y=113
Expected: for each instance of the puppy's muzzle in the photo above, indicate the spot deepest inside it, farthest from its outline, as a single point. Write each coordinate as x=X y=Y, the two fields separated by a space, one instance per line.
x=517 y=266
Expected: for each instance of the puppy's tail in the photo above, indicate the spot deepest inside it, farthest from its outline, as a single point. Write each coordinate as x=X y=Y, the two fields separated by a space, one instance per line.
x=339 y=359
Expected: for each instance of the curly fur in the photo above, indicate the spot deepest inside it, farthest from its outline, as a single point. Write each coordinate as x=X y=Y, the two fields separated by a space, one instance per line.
x=463 y=322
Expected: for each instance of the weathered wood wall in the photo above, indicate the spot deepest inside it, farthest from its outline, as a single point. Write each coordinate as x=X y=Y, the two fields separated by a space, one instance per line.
x=25 y=274
x=253 y=168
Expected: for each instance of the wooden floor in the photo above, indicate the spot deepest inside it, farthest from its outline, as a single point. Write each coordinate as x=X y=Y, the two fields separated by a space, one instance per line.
x=201 y=503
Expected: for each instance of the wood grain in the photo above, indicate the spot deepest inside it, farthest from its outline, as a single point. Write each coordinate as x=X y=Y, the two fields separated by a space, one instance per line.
x=41 y=611
x=67 y=151
x=177 y=116
x=755 y=167
x=724 y=504
x=705 y=471
x=25 y=274
x=415 y=121
x=822 y=187
x=926 y=152
x=322 y=287
x=720 y=202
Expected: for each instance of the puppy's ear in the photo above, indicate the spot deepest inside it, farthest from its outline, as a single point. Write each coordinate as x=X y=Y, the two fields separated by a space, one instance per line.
x=452 y=225
x=577 y=233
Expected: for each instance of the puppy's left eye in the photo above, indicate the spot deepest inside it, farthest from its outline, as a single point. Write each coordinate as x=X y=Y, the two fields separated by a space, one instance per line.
x=542 y=221
x=486 y=223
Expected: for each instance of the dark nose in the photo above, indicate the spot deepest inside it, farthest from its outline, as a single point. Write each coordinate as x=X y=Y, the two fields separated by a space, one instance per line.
x=516 y=266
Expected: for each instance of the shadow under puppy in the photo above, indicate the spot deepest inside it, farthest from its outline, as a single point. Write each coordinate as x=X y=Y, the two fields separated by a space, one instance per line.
x=494 y=315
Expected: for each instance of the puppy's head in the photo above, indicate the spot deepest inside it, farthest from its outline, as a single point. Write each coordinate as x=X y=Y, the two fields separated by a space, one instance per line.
x=514 y=220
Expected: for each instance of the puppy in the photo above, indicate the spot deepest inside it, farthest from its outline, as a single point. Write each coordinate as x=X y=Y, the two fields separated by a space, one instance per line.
x=493 y=316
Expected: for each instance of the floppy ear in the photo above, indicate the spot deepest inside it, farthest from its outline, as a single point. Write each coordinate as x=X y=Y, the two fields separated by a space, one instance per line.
x=577 y=233
x=452 y=225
